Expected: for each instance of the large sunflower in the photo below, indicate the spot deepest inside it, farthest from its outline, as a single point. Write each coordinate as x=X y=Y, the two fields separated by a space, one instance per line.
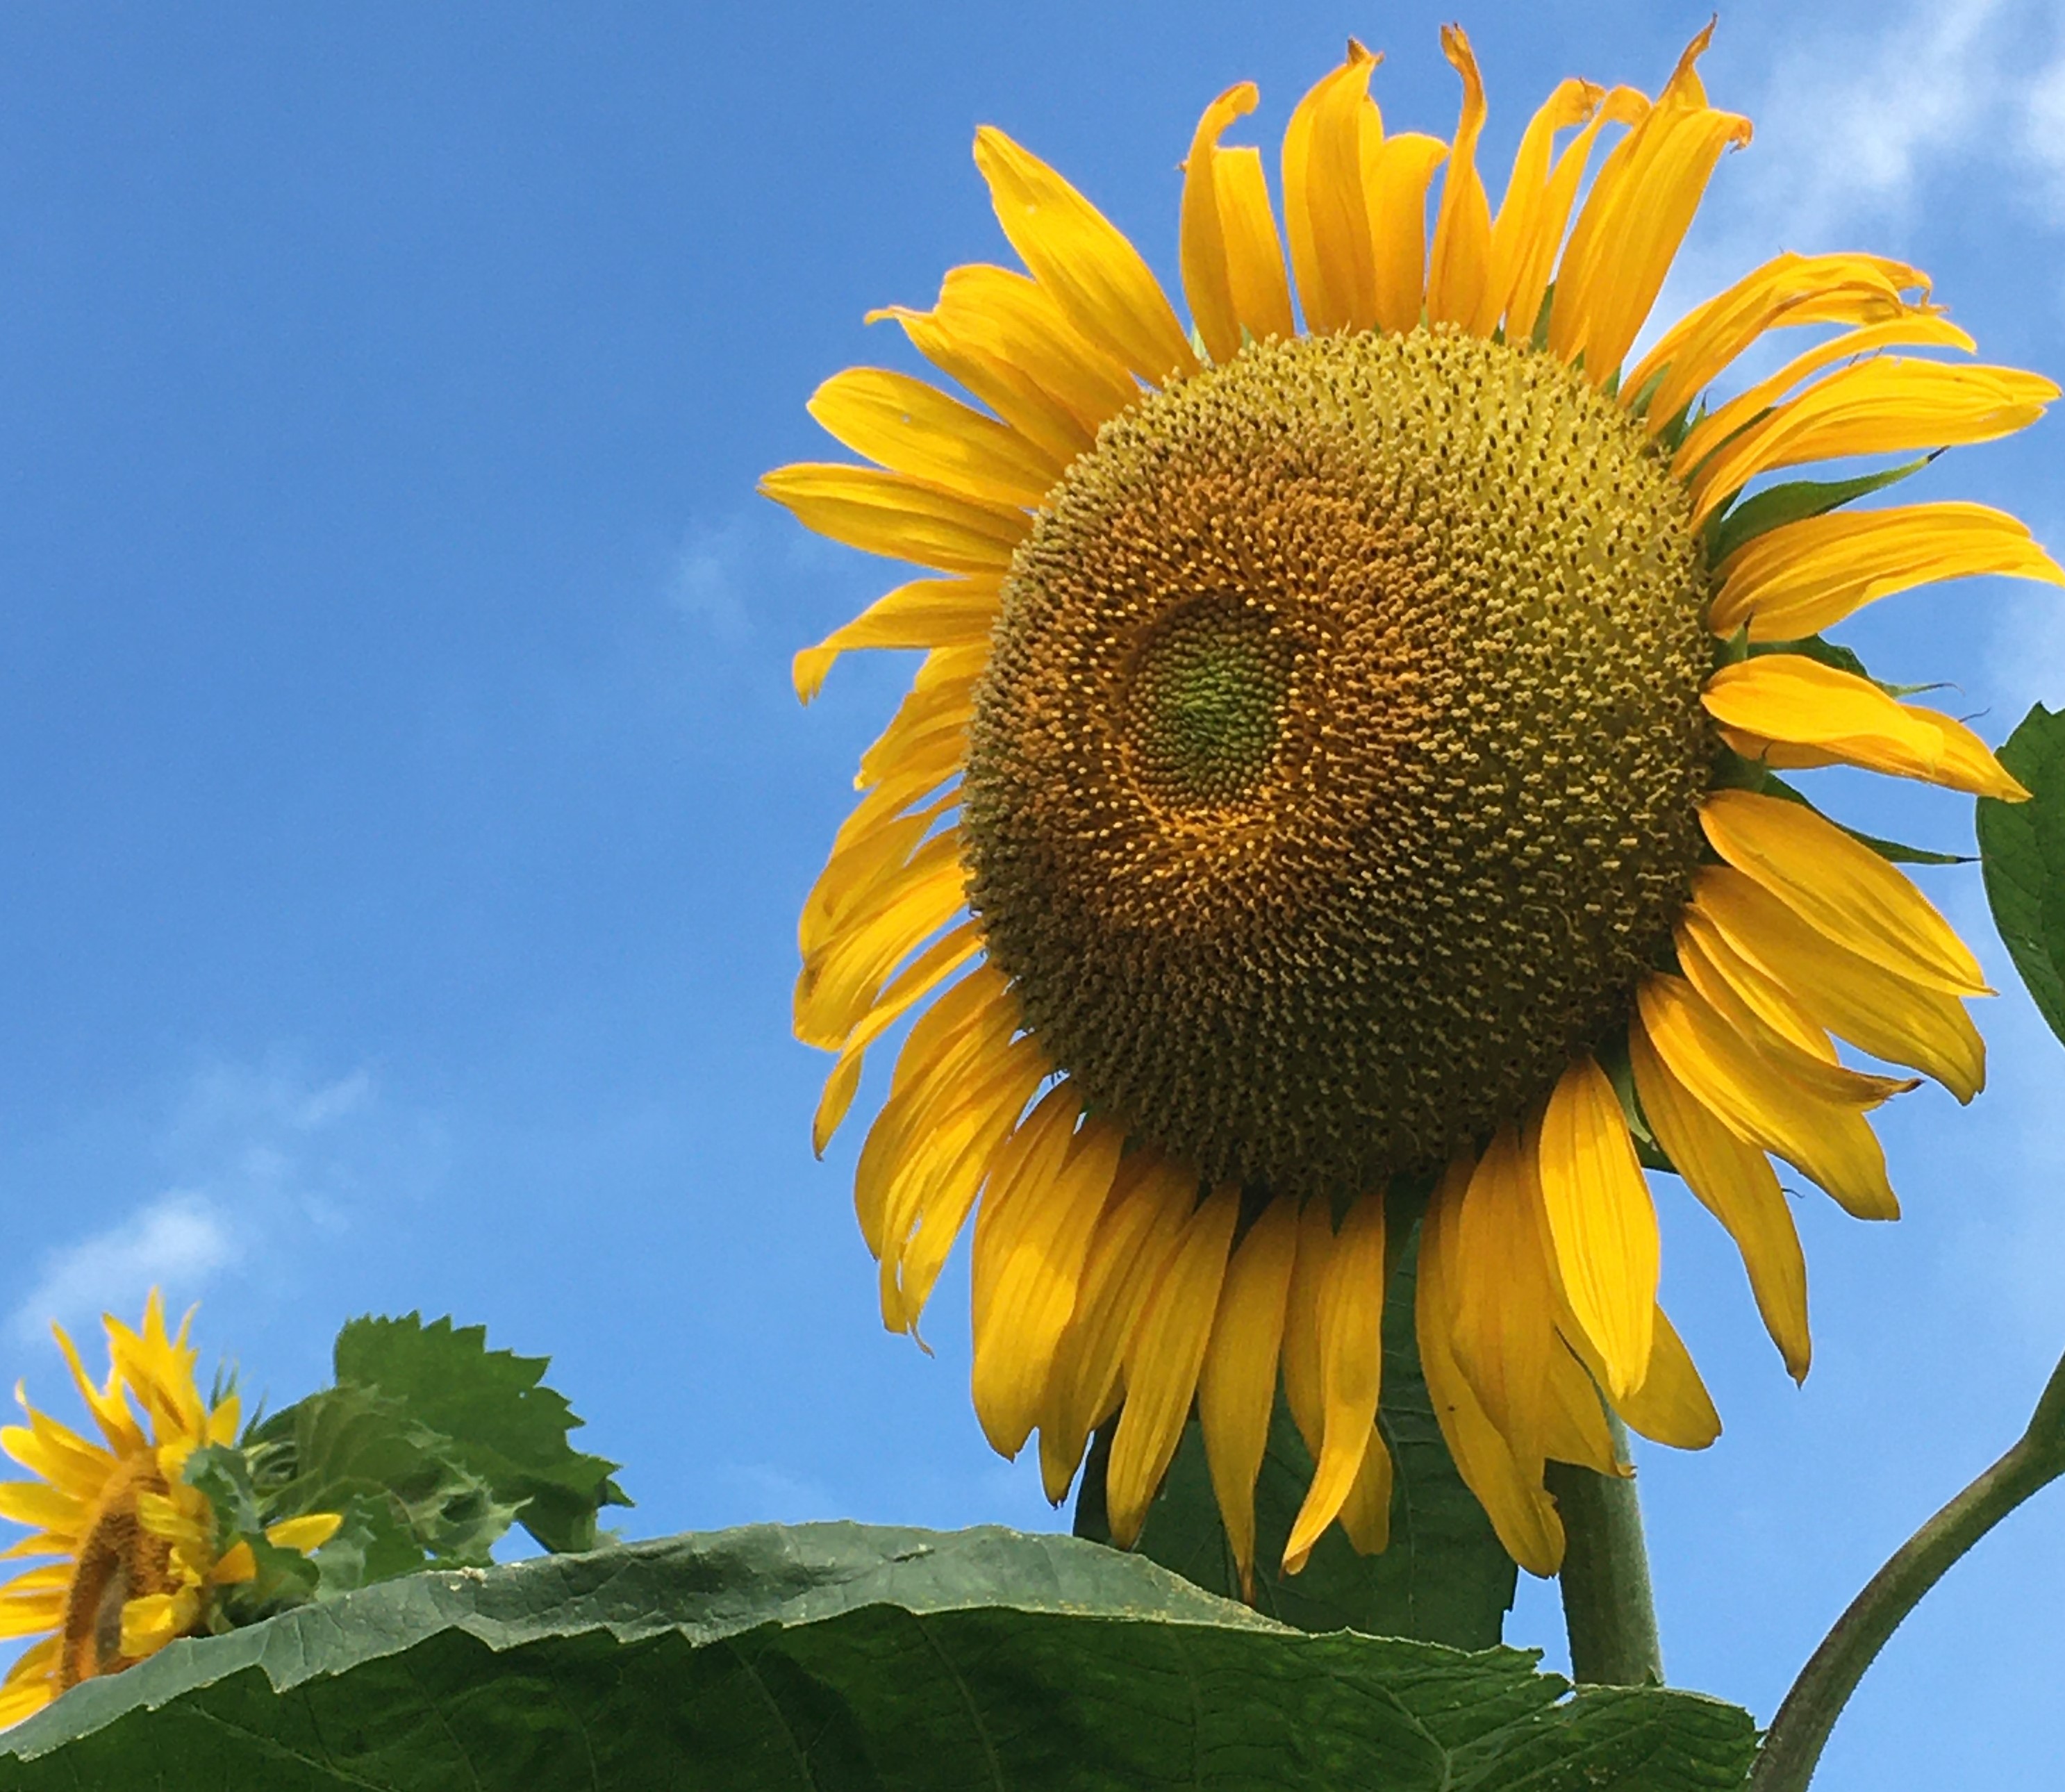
x=139 y=1550
x=1342 y=763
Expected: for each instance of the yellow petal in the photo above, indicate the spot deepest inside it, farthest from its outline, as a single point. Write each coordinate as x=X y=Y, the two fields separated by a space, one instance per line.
x=1324 y=209
x=1351 y=1341
x=155 y=1620
x=1886 y=405
x=1602 y=1222
x=1023 y=362
x=930 y=727
x=1162 y=1361
x=932 y=1200
x=964 y=1030
x=46 y=1507
x=917 y=979
x=1301 y=1323
x=886 y=513
x=1633 y=221
x=1237 y=1387
x=1833 y=1146
x=1366 y=1513
x=1538 y=231
x=1672 y=1406
x=1790 y=697
x=1885 y=1014
x=1840 y=886
x=1802 y=578
x=1787 y=291
x=1917 y=328
x=1459 y=288
x=841 y=983
x=1075 y=253
x=1207 y=275
x=1254 y=250
x=1134 y=1242
x=1501 y=1279
x=1037 y=1253
x=1021 y=1175
x=236 y=1565
x=1521 y=1512
x=876 y=853
x=1396 y=172
x=57 y=1454
x=310 y=1532
x=1770 y=1021
x=910 y=427
x=1734 y=1182
x=1524 y=234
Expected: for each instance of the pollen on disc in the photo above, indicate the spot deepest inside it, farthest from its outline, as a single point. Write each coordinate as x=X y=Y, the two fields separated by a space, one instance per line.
x=1335 y=771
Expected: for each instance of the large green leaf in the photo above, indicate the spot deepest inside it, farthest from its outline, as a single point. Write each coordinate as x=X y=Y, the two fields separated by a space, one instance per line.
x=505 y=1425
x=840 y=1658
x=2021 y=847
x=1444 y=1578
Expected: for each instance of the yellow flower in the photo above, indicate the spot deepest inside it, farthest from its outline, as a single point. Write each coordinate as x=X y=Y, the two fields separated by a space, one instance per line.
x=1344 y=755
x=136 y=1545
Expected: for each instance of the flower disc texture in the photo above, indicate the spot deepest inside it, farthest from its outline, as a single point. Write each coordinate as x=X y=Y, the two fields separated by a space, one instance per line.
x=1346 y=757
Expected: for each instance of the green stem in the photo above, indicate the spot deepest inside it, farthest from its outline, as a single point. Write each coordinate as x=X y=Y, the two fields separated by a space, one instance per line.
x=1792 y=1746
x=1608 y=1608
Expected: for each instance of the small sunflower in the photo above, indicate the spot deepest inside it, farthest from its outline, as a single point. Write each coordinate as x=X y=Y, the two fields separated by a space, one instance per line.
x=1344 y=759
x=138 y=1546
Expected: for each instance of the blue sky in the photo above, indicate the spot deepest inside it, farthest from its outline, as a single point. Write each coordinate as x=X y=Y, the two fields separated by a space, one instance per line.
x=406 y=809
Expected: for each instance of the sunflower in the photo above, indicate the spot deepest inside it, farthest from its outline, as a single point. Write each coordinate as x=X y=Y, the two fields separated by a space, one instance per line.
x=1345 y=761
x=138 y=1545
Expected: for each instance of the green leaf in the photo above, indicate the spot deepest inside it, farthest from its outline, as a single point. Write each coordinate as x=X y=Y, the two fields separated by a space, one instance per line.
x=2022 y=848
x=843 y=1658
x=1443 y=1578
x=353 y=1450
x=1766 y=510
x=506 y=1425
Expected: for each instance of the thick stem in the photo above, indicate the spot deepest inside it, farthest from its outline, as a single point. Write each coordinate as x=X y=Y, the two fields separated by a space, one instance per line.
x=1792 y=1746
x=1608 y=1608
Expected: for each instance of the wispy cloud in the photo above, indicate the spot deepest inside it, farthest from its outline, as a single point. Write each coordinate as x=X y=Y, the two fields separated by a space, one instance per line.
x=709 y=576
x=1864 y=123
x=178 y=1240
x=251 y=1161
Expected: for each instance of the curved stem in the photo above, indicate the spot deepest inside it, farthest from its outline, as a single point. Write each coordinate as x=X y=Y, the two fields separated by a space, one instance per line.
x=1792 y=1746
x=1608 y=1608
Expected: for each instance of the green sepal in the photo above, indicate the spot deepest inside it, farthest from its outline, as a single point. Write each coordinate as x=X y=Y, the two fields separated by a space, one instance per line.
x=1638 y=406
x=285 y=1577
x=1613 y=1058
x=2021 y=849
x=503 y=1424
x=1757 y=515
x=1821 y=648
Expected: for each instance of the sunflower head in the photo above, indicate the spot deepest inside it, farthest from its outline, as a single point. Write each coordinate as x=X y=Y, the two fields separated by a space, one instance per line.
x=1348 y=747
x=138 y=1550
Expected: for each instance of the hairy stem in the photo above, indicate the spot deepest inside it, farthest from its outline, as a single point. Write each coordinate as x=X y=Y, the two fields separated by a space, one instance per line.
x=1607 y=1606
x=1792 y=1746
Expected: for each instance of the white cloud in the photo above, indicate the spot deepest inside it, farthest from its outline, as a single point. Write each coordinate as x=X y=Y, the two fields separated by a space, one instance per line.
x=1847 y=125
x=705 y=582
x=176 y=1241
x=247 y=1158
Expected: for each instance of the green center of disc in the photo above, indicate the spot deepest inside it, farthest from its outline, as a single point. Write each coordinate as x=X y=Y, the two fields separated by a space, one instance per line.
x=1207 y=699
